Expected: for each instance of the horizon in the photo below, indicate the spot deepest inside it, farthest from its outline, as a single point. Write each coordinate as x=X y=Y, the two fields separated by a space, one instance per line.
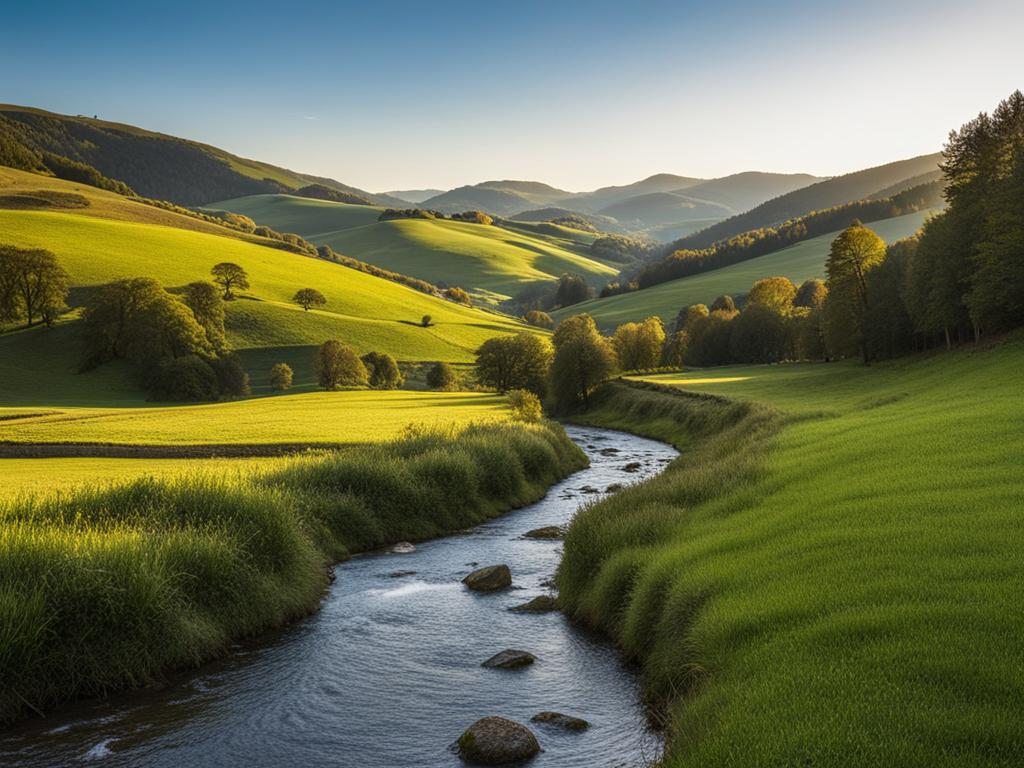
x=424 y=100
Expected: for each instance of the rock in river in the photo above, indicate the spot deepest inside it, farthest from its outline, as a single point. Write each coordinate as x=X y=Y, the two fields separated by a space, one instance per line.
x=489 y=578
x=510 y=659
x=497 y=741
x=568 y=722
x=403 y=548
x=539 y=604
x=547 y=532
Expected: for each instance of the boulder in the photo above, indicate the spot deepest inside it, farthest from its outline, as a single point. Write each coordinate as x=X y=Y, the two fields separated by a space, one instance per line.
x=547 y=532
x=403 y=548
x=633 y=466
x=539 y=604
x=489 y=578
x=568 y=722
x=510 y=659
x=401 y=574
x=497 y=741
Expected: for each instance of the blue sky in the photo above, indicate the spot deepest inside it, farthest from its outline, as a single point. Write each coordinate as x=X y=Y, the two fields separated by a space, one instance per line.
x=406 y=95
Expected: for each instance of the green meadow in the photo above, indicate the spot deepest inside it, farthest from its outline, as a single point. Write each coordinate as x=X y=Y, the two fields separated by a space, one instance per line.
x=830 y=574
x=490 y=261
x=797 y=262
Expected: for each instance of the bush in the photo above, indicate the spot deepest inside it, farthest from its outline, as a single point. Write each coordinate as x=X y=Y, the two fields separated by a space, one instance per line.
x=281 y=377
x=232 y=379
x=539 y=319
x=183 y=378
x=426 y=320
x=525 y=405
x=458 y=295
x=441 y=376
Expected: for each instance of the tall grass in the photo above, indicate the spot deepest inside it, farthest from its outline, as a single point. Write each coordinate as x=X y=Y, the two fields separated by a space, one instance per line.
x=106 y=588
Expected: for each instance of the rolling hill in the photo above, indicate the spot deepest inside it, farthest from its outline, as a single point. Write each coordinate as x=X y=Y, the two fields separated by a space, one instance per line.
x=414 y=196
x=501 y=198
x=116 y=237
x=153 y=164
x=492 y=262
x=797 y=262
x=824 y=194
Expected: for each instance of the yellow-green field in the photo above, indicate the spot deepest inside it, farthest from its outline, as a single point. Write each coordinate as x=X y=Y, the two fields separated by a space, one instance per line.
x=358 y=416
x=492 y=262
x=798 y=262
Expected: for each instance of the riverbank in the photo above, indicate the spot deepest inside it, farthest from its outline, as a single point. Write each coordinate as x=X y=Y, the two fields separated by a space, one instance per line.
x=106 y=588
x=826 y=575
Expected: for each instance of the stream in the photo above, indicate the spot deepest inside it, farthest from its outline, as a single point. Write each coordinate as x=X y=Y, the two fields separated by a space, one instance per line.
x=387 y=674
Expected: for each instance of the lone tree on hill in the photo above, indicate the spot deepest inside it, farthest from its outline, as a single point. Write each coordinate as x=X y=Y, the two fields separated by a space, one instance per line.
x=583 y=359
x=230 y=276
x=853 y=255
x=426 y=320
x=309 y=297
x=32 y=284
x=281 y=377
x=338 y=365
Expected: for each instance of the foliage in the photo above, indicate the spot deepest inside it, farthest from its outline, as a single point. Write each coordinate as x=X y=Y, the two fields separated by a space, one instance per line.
x=854 y=254
x=505 y=363
x=188 y=377
x=229 y=275
x=208 y=309
x=322 y=192
x=638 y=346
x=33 y=285
x=337 y=365
x=622 y=249
x=457 y=295
x=382 y=370
x=281 y=377
x=811 y=294
x=309 y=297
x=583 y=359
x=572 y=289
x=539 y=319
x=473 y=217
x=775 y=293
x=525 y=405
x=441 y=376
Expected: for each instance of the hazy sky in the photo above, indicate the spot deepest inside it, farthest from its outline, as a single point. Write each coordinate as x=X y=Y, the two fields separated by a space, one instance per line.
x=437 y=94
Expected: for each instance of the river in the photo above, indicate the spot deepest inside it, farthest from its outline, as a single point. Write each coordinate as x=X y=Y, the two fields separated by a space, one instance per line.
x=387 y=674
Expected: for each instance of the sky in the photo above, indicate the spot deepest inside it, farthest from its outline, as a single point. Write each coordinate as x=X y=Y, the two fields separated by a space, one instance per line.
x=400 y=95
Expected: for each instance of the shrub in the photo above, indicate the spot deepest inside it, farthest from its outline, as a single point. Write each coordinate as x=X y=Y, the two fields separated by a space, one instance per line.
x=183 y=378
x=458 y=295
x=231 y=376
x=525 y=405
x=426 y=320
x=441 y=376
x=281 y=377
x=539 y=319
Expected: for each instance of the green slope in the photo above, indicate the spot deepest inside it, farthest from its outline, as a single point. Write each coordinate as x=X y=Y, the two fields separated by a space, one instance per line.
x=365 y=311
x=491 y=262
x=847 y=594
x=797 y=262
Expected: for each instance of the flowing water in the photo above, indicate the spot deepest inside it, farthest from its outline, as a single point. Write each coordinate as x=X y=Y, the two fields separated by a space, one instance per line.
x=387 y=674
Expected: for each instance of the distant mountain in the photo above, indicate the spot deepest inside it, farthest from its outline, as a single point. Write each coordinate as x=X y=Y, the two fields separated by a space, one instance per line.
x=743 y=191
x=603 y=223
x=905 y=184
x=413 y=195
x=656 y=209
x=824 y=194
x=606 y=196
x=153 y=164
x=502 y=198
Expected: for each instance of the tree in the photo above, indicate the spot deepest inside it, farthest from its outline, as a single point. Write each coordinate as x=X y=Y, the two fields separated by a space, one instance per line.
x=572 y=289
x=758 y=335
x=514 y=362
x=710 y=338
x=208 y=309
x=189 y=377
x=723 y=303
x=539 y=319
x=309 y=297
x=674 y=353
x=230 y=276
x=32 y=284
x=232 y=378
x=457 y=295
x=811 y=294
x=852 y=256
x=689 y=317
x=583 y=359
x=638 y=345
x=338 y=365
x=888 y=326
x=281 y=377
x=441 y=376
x=775 y=293
x=426 y=320
x=382 y=370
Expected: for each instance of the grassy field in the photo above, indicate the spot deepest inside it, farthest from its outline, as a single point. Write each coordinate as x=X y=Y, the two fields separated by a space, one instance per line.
x=492 y=262
x=830 y=574
x=358 y=416
x=798 y=262
x=109 y=587
x=365 y=311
